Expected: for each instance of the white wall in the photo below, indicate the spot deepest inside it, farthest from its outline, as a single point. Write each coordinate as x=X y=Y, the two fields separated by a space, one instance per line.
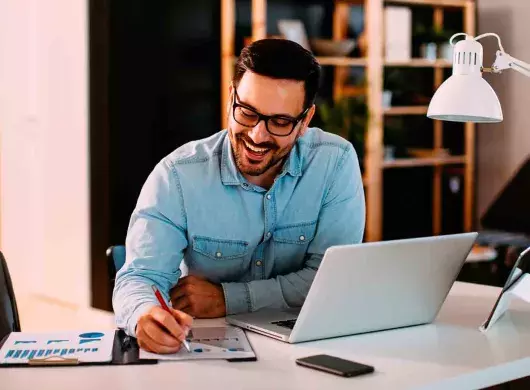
x=503 y=147
x=44 y=201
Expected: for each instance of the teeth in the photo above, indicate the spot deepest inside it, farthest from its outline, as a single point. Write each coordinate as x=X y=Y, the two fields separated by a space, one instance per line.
x=254 y=149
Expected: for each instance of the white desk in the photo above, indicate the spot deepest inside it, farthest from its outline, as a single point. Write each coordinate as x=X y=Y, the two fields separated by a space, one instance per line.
x=449 y=354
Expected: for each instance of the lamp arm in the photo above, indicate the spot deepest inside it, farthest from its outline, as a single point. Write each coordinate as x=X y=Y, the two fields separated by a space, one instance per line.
x=506 y=61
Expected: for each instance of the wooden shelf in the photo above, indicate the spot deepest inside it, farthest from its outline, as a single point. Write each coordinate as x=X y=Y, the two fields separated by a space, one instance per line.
x=413 y=63
x=421 y=162
x=406 y=110
x=434 y=3
x=353 y=90
x=375 y=65
x=341 y=61
x=420 y=63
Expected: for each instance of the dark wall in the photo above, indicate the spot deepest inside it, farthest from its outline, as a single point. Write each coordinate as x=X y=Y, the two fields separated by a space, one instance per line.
x=155 y=71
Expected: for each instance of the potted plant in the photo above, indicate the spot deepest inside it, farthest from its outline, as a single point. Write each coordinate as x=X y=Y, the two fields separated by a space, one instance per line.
x=428 y=48
x=347 y=117
x=393 y=138
x=442 y=37
x=434 y=42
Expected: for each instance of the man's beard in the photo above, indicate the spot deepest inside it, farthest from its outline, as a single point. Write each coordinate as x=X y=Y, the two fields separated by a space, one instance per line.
x=258 y=168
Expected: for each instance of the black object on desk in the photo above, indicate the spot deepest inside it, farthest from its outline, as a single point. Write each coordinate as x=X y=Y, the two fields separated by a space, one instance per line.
x=507 y=219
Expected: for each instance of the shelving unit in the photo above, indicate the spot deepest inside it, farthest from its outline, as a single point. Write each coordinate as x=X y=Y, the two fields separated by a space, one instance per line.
x=406 y=110
x=374 y=64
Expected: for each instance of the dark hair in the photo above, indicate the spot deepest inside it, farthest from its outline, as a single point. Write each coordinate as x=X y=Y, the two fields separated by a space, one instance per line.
x=281 y=59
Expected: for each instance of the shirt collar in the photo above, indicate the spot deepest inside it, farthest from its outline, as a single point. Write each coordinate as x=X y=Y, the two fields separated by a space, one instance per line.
x=230 y=175
x=229 y=172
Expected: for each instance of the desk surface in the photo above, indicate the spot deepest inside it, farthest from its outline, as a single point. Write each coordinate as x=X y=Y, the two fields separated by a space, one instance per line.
x=451 y=353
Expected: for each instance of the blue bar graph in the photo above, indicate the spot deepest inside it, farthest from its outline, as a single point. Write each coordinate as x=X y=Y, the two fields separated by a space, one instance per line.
x=28 y=354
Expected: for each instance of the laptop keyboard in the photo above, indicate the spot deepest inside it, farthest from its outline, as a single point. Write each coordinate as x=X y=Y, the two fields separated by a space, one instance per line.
x=285 y=324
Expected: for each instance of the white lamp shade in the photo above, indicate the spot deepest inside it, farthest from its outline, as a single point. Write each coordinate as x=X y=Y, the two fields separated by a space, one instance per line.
x=465 y=98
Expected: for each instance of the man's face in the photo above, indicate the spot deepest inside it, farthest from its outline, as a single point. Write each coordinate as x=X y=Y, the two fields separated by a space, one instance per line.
x=255 y=149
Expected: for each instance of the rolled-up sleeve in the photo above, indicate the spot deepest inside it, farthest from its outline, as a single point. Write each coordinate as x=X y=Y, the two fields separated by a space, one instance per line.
x=155 y=244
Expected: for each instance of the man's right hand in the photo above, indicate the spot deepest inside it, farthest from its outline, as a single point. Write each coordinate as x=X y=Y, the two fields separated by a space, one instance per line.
x=161 y=332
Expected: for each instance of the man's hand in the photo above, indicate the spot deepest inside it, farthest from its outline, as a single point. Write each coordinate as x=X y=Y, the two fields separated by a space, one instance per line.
x=161 y=332
x=199 y=298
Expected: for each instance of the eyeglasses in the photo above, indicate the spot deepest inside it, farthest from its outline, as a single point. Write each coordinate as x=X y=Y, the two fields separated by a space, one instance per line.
x=278 y=125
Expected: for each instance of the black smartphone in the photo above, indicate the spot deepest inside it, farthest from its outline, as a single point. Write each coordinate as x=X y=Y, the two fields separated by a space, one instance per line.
x=335 y=365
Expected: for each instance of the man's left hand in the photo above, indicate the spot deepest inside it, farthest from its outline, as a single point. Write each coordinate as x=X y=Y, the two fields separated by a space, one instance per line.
x=198 y=297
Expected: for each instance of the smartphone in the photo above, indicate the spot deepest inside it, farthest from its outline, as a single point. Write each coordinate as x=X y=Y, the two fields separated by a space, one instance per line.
x=335 y=365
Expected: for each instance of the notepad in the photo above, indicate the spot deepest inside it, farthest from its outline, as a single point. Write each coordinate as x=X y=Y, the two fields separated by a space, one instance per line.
x=86 y=347
x=210 y=343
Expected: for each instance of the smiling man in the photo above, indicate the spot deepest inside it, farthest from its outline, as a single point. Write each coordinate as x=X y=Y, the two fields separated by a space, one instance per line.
x=250 y=210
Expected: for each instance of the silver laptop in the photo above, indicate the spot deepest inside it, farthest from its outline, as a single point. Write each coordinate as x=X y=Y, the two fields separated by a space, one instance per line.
x=369 y=287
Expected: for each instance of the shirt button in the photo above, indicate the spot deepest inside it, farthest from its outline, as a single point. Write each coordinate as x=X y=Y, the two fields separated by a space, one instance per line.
x=268 y=234
x=245 y=185
x=218 y=254
x=258 y=263
x=269 y=196
x=302 y=238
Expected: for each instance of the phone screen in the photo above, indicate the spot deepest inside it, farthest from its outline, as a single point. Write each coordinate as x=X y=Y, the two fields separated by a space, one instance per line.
x=335 y=365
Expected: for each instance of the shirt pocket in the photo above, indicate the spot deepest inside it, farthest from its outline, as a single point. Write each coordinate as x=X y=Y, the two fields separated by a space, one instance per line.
x=290 y=245
x=217 y=259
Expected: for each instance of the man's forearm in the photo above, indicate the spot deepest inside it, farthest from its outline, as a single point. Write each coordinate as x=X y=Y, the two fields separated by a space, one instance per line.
x=281 y=292
x=132 y=297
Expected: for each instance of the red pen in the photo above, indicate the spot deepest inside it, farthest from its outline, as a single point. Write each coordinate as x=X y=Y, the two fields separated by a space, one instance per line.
x=166 y=308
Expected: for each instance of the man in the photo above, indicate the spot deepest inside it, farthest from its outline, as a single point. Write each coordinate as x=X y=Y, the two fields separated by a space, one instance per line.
x=250 y=210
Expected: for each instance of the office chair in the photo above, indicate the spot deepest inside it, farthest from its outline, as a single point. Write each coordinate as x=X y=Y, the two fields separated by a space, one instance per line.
x=116 y=260
x=9 y=320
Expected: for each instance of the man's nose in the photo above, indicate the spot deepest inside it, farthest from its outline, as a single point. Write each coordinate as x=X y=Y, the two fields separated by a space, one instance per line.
x=259 y=133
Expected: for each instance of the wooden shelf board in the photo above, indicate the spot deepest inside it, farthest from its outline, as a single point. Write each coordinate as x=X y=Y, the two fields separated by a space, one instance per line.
x=341 y=61
x=435 y=3
x=406 y=110
x=425 y=161
x=420 y=63
x=353 y=90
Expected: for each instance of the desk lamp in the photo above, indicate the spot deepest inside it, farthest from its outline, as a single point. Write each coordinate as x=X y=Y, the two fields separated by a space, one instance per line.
x=466 y=96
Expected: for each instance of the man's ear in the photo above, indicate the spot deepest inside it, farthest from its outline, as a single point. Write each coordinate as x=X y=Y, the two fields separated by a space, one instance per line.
x=307 y=120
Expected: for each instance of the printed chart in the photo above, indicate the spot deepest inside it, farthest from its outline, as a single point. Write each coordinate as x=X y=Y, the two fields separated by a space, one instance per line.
x=21 y=347
x=210 y=343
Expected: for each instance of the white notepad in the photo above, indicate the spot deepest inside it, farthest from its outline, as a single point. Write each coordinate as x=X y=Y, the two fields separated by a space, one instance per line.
x=226 y=342
x=86 y=347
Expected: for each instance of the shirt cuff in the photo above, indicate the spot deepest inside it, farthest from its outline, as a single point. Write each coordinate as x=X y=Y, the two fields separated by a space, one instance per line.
x=138 y=312
x=237 y=298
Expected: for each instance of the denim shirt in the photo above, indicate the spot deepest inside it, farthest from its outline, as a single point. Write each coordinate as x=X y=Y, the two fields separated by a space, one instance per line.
x=263 y=246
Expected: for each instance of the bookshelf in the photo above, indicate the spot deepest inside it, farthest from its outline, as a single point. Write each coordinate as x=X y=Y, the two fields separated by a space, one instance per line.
x=374 y=64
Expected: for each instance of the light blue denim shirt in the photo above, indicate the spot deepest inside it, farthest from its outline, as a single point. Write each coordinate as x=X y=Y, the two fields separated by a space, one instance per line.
x=263 y=246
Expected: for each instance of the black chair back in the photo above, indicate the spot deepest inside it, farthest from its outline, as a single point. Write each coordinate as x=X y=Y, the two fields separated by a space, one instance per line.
x=9 y=320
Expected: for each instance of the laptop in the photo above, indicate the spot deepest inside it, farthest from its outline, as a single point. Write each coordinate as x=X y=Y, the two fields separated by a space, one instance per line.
x=369 y=287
